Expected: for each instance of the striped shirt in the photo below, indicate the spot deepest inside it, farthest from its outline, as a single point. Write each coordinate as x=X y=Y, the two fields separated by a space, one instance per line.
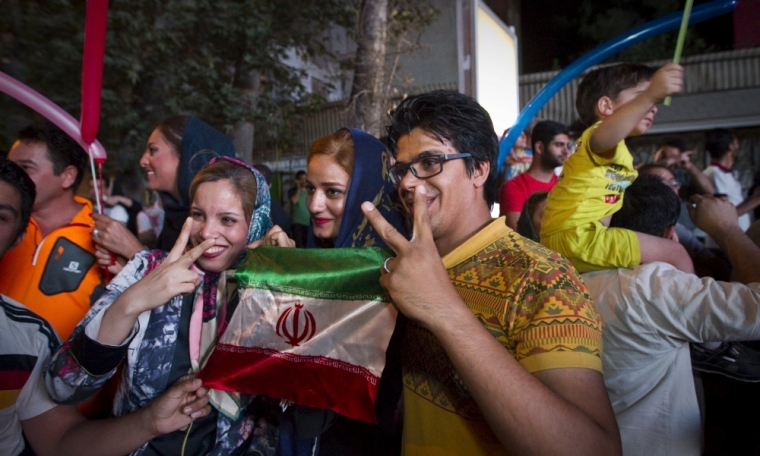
x=26 y=341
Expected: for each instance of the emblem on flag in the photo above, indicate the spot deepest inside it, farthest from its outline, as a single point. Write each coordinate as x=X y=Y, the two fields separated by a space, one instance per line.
x=330 y=356
x=290 y=329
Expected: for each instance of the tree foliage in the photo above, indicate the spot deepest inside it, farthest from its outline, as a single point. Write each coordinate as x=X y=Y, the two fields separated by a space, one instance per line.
x=407 y=20
x=221 y=60
x=385 y=30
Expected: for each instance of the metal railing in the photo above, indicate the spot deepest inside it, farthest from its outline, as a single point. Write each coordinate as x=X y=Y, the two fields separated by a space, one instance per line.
x=727 y=70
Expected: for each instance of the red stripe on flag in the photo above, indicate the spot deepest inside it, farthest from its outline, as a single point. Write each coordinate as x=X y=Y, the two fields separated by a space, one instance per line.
x=314 y=381
x=13 y=379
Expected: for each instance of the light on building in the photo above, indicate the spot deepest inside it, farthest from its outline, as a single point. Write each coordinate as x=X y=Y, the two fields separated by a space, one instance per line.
x=496 y=73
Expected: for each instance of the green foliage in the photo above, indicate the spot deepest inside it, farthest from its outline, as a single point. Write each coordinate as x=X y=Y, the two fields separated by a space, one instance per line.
x=406 y=16
x=220 y=60
x=597 y=22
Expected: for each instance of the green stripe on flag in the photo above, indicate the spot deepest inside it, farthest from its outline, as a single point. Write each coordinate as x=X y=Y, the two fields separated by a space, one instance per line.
x=340 y=273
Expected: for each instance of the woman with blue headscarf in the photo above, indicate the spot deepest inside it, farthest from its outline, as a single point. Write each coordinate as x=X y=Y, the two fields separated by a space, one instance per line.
x=344 y=170
x=163 y=313
x=176 y=150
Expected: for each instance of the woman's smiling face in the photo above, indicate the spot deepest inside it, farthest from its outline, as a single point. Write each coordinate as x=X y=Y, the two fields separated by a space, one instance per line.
x=161 y=162
x=217 y=212
x=326 y=186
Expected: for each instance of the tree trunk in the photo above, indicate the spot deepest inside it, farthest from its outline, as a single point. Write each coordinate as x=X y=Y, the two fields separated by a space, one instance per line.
x=367 y=106
x=242 y=140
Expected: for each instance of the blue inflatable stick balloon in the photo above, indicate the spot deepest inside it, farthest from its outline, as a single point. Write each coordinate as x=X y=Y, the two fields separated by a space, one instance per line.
x=615 y=45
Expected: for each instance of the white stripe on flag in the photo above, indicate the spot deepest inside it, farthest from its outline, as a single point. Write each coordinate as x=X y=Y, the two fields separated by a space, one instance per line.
x=298 y=325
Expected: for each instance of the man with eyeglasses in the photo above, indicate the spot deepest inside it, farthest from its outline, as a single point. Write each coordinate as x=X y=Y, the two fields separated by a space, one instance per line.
x=551 y=147
x=502 y=353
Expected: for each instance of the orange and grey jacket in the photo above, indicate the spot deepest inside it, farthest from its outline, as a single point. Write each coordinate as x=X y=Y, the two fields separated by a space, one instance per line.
x=56 y=276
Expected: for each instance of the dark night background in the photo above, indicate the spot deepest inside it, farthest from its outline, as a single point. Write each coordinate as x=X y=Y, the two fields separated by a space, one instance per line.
x=552 y=30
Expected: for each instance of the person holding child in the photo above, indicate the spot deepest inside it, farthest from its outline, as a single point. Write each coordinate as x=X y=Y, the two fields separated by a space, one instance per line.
x=616 y=101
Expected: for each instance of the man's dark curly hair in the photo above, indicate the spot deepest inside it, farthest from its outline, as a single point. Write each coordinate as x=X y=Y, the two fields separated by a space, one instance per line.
x=457 y=118
x=13 y=175
x=61 y=149
x=607 y=81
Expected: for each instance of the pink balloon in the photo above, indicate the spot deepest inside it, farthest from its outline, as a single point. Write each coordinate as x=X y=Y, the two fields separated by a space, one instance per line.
x=50 y=111
x=92 y=67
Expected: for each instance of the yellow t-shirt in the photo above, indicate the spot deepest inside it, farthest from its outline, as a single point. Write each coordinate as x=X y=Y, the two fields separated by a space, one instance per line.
x=532 y=301
x=589 y=188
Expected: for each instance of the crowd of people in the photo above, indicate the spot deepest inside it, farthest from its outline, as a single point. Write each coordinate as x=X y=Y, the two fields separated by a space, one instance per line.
x=569 y=325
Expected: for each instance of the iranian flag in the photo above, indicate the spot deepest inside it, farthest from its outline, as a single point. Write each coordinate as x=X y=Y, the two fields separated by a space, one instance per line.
x=312 y=327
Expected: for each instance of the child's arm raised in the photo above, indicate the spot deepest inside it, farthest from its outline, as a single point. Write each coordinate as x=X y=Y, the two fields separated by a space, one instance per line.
x=621 y=117
x=655 y=248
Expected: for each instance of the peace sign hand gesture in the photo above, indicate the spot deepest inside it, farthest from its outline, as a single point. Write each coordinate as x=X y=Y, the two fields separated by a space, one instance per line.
x=171 y=278
x=417 y=282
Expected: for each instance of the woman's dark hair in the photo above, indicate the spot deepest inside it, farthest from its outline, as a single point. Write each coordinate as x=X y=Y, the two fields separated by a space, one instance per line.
x=241 y=178
x=457 y=118
x=525 y=226
x=172 y=129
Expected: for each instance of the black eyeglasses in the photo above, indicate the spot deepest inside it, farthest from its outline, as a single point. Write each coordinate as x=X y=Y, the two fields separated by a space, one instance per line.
x=422 y=167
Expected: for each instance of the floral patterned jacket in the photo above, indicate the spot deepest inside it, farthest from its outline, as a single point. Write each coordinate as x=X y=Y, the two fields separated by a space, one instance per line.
x=81 y=366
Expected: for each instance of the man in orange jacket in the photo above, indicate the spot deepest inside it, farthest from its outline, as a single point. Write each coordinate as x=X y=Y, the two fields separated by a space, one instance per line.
x=53 y=270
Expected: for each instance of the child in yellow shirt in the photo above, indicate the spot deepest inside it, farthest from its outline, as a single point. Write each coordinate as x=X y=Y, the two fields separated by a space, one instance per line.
x=617 y=101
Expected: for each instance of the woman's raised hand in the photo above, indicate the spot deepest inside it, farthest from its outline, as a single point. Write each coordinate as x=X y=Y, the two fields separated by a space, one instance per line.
x=172 y=277
x=275 y=236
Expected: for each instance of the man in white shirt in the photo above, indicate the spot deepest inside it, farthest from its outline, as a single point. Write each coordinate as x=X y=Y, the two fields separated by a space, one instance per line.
x=723 y=147
x=651 y=312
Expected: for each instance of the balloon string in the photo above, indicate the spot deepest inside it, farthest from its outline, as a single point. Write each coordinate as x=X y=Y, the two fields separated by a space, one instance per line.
x=101 y=184
x=101 y=201
x=95 y=180
x=681 y=38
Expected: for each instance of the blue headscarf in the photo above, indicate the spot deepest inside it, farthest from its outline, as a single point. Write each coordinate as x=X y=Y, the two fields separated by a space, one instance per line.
x=257 y=228
x=369 y=182
x=260 y=219
x=200 y=143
